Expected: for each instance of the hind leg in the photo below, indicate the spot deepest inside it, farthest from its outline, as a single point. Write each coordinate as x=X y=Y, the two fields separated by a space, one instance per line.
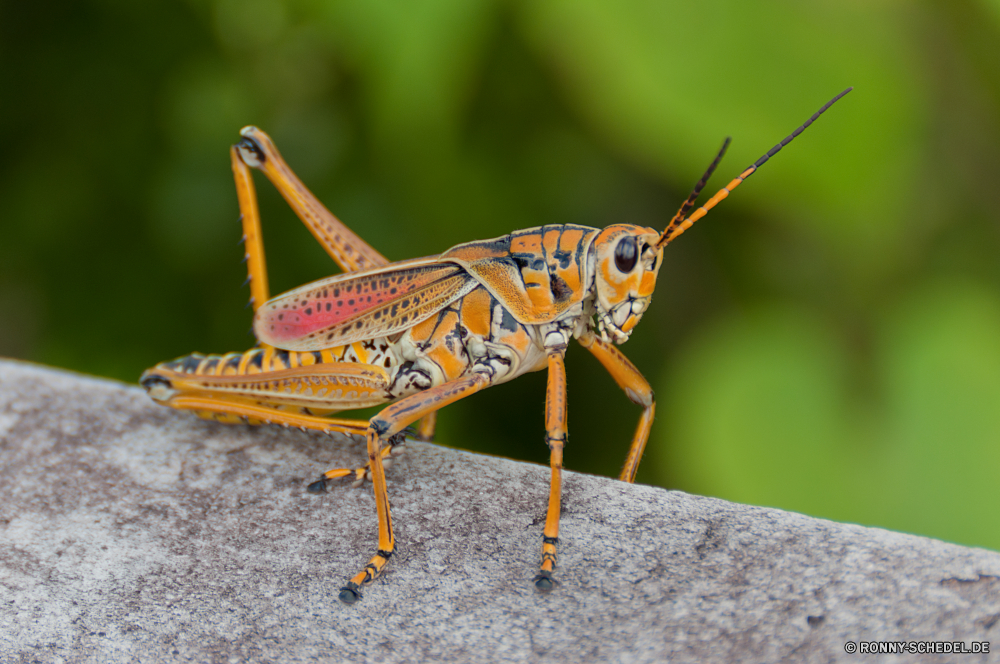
x=286 y=396
x=350 y=252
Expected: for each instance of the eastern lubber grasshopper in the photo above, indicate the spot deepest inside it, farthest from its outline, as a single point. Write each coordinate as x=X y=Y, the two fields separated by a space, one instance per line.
x=427 y=332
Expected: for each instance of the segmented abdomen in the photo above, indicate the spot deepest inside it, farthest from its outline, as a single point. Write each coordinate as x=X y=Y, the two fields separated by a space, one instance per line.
x=258 y=360
x=255 y=360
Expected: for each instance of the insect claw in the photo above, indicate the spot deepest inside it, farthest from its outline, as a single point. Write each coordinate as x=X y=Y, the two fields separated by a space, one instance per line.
x=544 y=581
x=349 y=594
x=319 y=486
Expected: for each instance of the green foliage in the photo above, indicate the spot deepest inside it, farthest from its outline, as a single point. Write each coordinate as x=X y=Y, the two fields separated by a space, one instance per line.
x=828 y=340
x=771 y=407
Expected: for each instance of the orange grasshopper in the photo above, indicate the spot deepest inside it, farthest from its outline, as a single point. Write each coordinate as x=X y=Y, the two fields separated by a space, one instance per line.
x=426 y=332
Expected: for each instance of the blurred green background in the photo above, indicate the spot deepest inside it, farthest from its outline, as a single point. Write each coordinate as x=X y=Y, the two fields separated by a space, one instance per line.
x=826 y=341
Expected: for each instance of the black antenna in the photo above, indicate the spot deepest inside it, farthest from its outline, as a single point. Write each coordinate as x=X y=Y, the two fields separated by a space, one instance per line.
x=674 y=229
x=689 y=203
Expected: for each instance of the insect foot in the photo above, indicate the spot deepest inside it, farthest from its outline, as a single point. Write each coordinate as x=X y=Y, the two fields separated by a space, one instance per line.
x=350 y=593
x=544 y=581
x=394 y=449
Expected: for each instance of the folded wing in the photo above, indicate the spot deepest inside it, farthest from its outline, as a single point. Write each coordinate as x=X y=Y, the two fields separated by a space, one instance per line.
x=360 y=305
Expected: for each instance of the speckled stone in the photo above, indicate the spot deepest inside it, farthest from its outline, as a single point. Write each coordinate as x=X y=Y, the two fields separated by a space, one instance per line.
x=130 y=532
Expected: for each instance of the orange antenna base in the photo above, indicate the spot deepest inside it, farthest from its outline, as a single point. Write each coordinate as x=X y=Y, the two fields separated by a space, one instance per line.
x=674 y=228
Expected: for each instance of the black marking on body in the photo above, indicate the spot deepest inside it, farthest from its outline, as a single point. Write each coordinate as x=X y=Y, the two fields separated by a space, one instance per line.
x=453 y=341
x=560 y=289
x=517 y=270
x=407 y=377
x=500 y=245
x=522 y=260
x=152 y=381
x=541 y=247
x=430 y=337
x=507 y=320
x=486 y=361
x=191 y=362
x=257 y=359
x=578 y=252
x=564 y=257
x=560 y=254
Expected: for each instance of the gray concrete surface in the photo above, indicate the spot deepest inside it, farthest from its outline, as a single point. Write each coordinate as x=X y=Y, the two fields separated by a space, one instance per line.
x=129 y=532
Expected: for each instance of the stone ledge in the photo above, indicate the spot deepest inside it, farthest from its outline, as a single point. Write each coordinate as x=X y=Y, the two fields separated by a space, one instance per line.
x=132 y=532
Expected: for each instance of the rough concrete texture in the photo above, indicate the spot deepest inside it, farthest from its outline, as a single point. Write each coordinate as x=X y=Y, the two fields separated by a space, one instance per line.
x=134 y=533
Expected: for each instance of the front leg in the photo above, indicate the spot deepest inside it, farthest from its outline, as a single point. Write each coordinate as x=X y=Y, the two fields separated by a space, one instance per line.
x=636 y=388
x=555 y=436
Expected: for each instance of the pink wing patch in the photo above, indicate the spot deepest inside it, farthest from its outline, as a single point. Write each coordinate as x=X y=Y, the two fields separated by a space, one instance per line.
x=328 y=302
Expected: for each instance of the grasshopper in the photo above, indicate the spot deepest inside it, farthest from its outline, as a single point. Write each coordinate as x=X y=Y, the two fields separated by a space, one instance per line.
x=426 y=332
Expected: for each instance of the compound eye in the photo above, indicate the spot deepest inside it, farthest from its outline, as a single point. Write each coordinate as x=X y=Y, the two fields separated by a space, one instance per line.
x=626 y=254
